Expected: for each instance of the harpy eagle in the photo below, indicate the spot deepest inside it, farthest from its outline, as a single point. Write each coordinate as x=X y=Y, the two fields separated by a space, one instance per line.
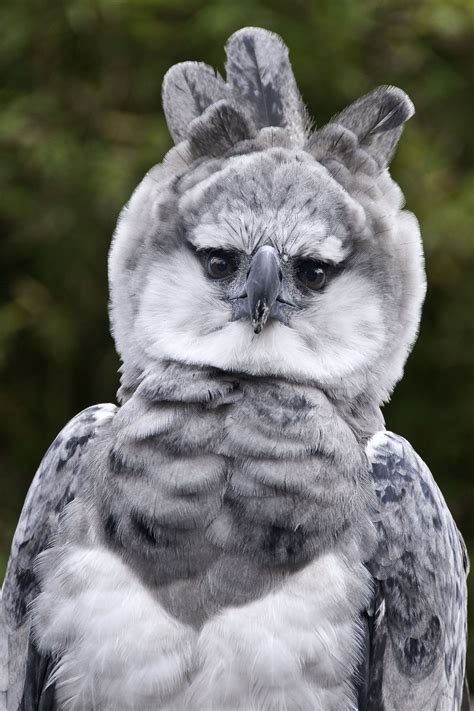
x=240 y=532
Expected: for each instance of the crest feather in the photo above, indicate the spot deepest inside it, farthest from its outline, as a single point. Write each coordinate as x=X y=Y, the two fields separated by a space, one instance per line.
x=219 y=128
x=188 y=89
x=377 y=121
x=259 y=74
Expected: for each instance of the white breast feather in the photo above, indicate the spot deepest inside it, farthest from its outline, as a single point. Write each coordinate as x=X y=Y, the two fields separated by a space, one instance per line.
x=119 y=649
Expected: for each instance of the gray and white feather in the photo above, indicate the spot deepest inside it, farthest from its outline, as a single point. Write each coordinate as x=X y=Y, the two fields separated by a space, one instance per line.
x=241 y=532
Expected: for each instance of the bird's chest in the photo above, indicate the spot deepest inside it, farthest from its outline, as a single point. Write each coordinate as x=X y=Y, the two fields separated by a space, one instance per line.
x=225 y=568
x=118 y=648
x=271 y=478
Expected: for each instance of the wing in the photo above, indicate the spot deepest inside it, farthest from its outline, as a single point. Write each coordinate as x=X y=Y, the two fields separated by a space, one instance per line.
x=58 y=480
x=416 y=635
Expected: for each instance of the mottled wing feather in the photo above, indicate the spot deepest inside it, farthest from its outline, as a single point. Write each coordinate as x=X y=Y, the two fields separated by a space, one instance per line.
x=54 y=485
x=38 y=693
x=418 y=637
x=58 y=480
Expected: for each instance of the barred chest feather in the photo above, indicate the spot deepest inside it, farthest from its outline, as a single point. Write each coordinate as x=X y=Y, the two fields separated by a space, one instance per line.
x=223 y=565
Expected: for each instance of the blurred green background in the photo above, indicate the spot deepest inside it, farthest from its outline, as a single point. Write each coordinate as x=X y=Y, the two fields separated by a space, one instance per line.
x=81 y=122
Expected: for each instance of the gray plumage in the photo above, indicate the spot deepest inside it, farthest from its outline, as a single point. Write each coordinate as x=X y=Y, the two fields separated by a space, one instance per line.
x=416 y=649
x=189 y=89
x=241 y=532
x=57 y=482
x=259 y=75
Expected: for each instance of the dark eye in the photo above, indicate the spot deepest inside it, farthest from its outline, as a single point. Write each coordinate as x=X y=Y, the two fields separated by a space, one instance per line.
x=221 y=264
x=312 y=274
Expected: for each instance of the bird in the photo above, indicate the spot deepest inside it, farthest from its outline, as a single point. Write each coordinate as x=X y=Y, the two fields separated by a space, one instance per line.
x=241 y=531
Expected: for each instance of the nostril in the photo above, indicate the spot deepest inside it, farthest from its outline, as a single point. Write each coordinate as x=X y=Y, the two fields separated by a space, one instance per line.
x=280 y=275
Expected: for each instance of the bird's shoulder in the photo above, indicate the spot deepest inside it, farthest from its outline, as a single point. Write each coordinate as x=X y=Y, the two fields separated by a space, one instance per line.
x=419 y=568
x=412 y=515
x=56 y=483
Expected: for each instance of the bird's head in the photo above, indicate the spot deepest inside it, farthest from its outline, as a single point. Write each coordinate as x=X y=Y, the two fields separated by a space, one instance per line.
x=261 y=247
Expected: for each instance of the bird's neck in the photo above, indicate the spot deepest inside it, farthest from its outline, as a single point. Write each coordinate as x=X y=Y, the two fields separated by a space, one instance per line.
x=233 y=482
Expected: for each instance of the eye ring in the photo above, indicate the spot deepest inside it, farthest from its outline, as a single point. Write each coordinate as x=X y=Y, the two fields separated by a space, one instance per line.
x=220 y=264
x=312 y=274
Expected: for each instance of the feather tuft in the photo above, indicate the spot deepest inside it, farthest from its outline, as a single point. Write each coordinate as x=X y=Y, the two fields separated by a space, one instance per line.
x=189 y=88
x=220 y=127
x=377 y=121
x=259 y=74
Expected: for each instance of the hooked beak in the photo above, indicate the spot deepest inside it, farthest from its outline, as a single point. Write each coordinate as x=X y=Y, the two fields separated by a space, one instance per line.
x=263 y=285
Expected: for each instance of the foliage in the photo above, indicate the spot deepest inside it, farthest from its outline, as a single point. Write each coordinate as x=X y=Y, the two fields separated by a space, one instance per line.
x=81 y=122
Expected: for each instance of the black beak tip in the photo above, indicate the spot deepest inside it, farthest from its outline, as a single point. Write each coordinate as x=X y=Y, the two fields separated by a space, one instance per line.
x=260 y=315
